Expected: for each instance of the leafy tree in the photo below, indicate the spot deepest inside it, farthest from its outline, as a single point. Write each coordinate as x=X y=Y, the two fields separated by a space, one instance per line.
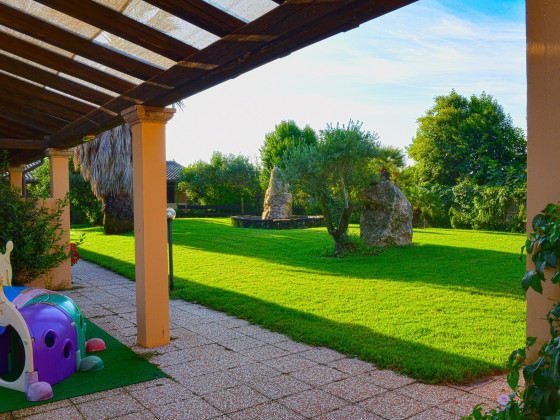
x=84 y=207
x=460 y=137
x=224 y=180
x=286 y=135
x=335 y=171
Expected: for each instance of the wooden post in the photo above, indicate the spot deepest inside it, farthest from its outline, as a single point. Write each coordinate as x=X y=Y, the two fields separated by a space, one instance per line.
x=150 y=204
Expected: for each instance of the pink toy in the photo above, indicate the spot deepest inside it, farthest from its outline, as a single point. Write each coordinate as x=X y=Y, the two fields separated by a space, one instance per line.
x=95 y=344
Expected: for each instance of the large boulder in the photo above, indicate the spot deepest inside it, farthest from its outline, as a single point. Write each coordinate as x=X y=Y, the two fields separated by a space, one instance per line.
x=387 y=216
x=278 y=199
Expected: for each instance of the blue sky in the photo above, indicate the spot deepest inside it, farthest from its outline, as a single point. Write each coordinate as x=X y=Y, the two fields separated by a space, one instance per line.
x=385 y=74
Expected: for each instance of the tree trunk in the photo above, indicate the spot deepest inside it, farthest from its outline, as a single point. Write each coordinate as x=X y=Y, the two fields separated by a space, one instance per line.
x=118 y=214
x=339 y=234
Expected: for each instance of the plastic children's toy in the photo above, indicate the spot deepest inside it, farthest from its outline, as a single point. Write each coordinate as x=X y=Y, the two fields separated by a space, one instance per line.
x=42 y=337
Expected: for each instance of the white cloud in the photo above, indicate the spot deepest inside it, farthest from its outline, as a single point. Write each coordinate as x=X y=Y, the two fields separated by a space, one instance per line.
x=385 y=73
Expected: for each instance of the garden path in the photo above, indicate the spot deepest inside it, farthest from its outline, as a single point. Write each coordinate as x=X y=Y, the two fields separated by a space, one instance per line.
x=223 y=367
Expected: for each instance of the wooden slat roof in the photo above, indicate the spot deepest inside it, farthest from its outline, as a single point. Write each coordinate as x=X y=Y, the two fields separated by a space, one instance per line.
x=69 y=68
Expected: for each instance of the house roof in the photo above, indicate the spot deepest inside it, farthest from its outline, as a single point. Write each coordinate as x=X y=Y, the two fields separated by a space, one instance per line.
x=173 y=170
x=68 y=69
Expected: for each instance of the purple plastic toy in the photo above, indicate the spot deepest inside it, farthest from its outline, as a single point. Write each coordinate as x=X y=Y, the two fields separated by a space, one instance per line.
x=55 y=341
x=39 y=343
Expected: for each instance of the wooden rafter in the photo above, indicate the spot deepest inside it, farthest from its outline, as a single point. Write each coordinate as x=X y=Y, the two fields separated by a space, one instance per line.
x=24 y=122
x=62 y=63
x=23 y=144
x=69 y=41
x=37 y=104
x=17 y=130
x=243 y=46
x=53 y=81
x=201 y=14
x=19 y=86
x=265 y=39
x=121 y=25
x=41 y=120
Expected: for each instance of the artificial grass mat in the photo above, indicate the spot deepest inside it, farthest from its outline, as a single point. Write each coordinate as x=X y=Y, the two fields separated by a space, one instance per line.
x=122 y=367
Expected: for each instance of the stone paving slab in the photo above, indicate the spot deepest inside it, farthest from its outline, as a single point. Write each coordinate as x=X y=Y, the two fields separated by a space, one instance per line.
x=222 y=367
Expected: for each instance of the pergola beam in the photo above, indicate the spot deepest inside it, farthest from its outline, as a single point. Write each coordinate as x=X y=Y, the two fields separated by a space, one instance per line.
x=18 y=130
x=23 y=144
x=37 y=104
x=201 y=14
x=46 y=78
x=42 y=120
x=69 y=41
x=257 y=43
x=123 y=26
x=62 y=63
x=18 y=86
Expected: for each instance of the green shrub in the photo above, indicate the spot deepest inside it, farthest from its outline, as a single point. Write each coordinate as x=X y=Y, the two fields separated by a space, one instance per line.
x=35 y=231
x=84 y=207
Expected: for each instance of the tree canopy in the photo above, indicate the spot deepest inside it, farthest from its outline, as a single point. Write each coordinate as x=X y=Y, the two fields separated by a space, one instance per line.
x=224 y=180
x=475 y=138
x=286 y=135
x=335 y=171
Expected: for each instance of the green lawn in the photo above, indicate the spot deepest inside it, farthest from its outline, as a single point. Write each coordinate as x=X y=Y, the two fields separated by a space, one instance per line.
x=449 y=308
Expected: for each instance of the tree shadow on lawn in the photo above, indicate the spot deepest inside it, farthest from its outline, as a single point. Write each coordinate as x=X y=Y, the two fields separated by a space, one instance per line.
x=465 y=268
x=415 y=359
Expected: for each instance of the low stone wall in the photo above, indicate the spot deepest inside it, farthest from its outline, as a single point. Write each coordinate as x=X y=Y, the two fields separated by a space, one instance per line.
x=294 y=222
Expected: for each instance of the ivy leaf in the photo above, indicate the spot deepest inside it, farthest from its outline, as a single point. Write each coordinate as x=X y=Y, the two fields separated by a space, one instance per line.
x=536 y=284
x=550 y=258
x=526 y=282
x=513 y=379
x=554 y=236
x=530 y=341
x=555 y=278
x=538 y=222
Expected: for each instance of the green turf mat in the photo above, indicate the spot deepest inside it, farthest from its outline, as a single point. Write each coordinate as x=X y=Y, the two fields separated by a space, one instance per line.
x=122 y=367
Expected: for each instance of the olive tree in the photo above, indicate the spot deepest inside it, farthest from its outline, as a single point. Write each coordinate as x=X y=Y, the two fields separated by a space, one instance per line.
x=335 y=171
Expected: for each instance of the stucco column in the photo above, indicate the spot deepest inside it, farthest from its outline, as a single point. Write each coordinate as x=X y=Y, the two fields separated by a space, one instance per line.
x=61 y=276
x=149 y=190
x=543 y=138
x=15 y=174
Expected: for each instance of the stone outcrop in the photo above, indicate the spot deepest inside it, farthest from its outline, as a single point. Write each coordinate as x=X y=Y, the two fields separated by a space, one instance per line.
x=278 y=199
x=387 y=216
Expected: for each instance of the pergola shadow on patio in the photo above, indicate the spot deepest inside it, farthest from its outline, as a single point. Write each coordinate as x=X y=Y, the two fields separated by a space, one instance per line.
x=70 y=70
x=222 y=367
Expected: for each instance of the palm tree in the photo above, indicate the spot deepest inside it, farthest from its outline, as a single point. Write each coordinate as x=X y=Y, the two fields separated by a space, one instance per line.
x=389 y=162
x=106 y=162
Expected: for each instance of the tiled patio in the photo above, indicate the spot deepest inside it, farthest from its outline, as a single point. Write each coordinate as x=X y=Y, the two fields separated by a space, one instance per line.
x=223 y=367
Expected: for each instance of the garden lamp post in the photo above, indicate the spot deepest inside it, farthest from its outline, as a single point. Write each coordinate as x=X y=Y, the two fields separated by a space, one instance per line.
x=170 y=216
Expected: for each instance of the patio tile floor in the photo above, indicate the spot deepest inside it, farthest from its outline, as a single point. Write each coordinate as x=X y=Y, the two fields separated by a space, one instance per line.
x=221 y=367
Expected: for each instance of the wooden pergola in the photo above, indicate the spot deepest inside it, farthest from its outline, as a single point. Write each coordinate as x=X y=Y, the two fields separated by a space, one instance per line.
x=72 y=69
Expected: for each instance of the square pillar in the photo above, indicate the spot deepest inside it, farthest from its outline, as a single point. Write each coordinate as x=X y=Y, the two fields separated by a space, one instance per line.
x=543 y=142
x=15 y=174
x=150 y=222
x=59 y=277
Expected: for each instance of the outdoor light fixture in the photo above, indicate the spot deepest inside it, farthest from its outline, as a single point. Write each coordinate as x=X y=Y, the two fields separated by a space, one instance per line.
x=170 y=216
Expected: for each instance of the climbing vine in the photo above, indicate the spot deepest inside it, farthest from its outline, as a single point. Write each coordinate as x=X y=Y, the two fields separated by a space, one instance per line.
x=539 y=397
